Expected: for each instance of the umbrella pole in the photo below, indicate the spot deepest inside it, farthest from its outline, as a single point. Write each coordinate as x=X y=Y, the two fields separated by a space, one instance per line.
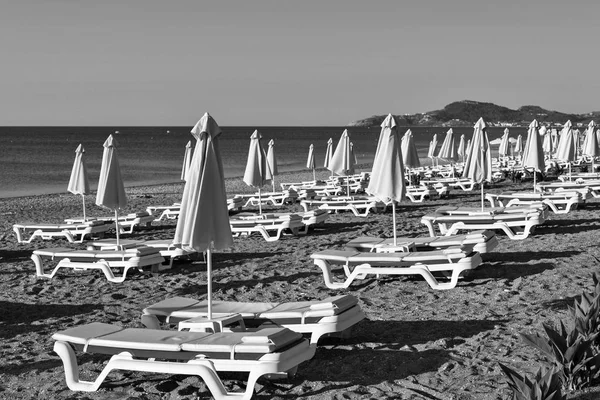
x=348 y=185
x=259 y=203
x=534 y=176
x=209 y=280
x=482 y=195
x=273 y=182
x=83 y=199
x=117 y=225
x=394 y=221
x=314 y=176
x=569 y=171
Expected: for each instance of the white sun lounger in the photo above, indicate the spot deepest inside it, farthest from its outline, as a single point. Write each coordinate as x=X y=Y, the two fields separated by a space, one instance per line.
x=357 y=265
x=482 y=241
x=465 y=184
x=75 y=232
x=558 y=202
x=165 y=246
x=517 y=225
x=166 y=212
x=418 y=194
x=589 y=186
x=276 y=199
x=330 y=316
x=126 y=222
x=359 y=206
x=268 y=351
x=104 y=260
x=580 y=175
x=270 y=226
x=310 y=219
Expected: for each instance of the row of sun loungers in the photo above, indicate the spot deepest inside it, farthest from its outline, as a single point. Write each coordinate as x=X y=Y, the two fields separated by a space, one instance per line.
x=558 y=202
x=272 y=225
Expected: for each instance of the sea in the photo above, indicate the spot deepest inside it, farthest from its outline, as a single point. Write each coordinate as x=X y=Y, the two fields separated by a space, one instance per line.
x=38 y=160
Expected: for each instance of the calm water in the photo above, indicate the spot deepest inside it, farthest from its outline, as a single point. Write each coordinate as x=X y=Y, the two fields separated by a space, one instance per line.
x=38 y=160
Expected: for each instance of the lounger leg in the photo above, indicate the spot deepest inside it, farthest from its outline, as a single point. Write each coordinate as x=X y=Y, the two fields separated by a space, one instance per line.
x=328 y=276
x=18 y=234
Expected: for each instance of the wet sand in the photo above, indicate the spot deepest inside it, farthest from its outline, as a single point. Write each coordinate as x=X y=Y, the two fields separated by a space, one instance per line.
x=416 y=343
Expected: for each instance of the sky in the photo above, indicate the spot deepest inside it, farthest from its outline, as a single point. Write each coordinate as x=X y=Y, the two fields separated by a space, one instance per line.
x=289 y=63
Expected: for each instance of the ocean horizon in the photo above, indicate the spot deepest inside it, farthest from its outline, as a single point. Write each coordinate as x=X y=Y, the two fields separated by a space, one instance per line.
x=38 y=160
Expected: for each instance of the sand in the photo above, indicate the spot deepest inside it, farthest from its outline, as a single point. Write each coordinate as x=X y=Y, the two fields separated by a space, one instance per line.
x=416 y=343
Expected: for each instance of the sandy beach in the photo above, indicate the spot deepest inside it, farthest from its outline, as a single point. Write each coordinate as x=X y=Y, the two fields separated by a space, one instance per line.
x=416 y=343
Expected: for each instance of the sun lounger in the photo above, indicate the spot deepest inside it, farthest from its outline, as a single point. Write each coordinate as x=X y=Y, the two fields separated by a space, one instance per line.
x=276 y=199
x=417 y=194
x=268 y=351
x=270 y=226
x=359 y=206
x=482 y=241
x=330 y=316
x=589 y=186
x=558 y=202
x=165 y=246
x=126 y=222
x=310 y=219
x=75 y=232
x=104 y=260
x=517 y=225
x=465 y=184
x=581 y=175
x=357 y=265
x=166 y=212
x=235 y=203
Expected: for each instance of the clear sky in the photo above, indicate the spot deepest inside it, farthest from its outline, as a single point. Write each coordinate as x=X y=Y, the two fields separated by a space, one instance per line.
x=304 y=62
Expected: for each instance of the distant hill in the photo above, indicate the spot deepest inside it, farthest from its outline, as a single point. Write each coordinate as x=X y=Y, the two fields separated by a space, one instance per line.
x=467 y=112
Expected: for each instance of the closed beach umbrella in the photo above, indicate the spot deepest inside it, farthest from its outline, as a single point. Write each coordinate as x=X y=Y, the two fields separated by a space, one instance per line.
x=111 y=190
x=79 y=182
x=387 y=176
x=203 y=223
x=328 y=154
x=410 y=156
x=448 y=148
x=546 y=140
x=342 y=162
x=590 y=143
x=271 y=163
x=566 y=147
x=478 y=166
x=554 y=136
x=533 y=155
x=256 y=166
x=353 y=154
x=187 y=158
x=462 y=148
x=432 y=148
x=504 y=144
x=519 y=145
x=310 y=162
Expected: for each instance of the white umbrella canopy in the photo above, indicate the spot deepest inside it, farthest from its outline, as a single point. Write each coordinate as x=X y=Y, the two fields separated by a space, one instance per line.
x=590 y=144
x=554 y=136
x=462 y=148
x=410 y=156
x=504 y=144
x=546 y=140
x=432 y=148
x=310 y=162
x=111 y=190
x=387 y=176
x=478 y=166
x=187 y=158
x=566 y=150
x=203 y=223
x=328 y=153
x=448 y=148
x=79 y=182
x=342 y=162
x=519 y=145
x=271 y=163
x=533 y=155
x=256 y=166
